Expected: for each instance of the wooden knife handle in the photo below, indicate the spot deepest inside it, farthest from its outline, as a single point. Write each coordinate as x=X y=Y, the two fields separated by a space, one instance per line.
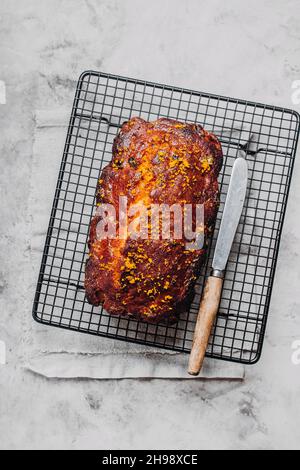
x=208 y=310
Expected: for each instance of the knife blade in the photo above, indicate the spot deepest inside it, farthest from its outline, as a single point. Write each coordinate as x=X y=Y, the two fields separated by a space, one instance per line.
x=209 y=305
x=232 y=213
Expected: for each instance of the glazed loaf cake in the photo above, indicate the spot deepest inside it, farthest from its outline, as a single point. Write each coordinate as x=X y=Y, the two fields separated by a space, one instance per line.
x=160 y=162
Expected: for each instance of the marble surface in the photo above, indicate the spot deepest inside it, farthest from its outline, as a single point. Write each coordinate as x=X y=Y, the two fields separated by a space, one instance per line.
x=243 y=49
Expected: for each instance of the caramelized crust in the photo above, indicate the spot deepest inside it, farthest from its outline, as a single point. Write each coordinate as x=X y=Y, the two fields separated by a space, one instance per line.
x=160 y=162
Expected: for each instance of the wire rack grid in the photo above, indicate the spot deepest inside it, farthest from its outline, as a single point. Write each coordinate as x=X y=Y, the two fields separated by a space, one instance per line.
x=102 y=103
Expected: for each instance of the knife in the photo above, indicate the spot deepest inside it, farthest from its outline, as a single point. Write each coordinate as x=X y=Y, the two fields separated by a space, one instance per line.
x=209 y=305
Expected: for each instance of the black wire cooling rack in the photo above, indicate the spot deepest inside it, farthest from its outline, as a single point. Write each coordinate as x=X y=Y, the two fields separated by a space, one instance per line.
x=102 y=103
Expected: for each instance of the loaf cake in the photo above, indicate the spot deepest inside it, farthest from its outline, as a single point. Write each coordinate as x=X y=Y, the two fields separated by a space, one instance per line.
x=160 y=162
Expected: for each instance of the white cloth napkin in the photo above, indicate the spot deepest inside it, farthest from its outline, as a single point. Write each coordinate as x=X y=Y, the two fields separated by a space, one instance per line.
x=66 y=354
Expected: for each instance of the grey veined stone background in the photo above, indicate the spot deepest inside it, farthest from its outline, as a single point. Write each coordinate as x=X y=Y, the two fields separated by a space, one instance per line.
x=244 y=49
